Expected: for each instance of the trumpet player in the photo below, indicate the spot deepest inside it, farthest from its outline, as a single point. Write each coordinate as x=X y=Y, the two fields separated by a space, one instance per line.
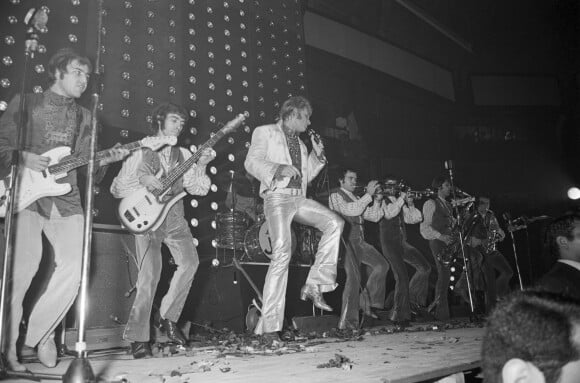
x=485 y=234
x=398 y=210
x=355 y=210
x=437 y=226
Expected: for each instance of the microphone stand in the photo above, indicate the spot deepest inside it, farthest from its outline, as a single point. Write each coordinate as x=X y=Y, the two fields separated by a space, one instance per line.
x=12 y=191
x=80 y=369
x=449 y=167
x=511 y=225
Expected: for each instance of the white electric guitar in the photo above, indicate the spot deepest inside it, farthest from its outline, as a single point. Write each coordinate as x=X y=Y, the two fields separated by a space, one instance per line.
x=34 y=185
x=146 y=210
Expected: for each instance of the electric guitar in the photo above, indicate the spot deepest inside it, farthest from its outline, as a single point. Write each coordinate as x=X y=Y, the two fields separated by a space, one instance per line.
x=145 y=210
x=33 y=185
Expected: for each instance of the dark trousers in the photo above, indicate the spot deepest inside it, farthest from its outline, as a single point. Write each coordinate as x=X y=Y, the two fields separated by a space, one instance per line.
x=441 y=301
x=496 y=287
x=358 y=252
x=398 y=252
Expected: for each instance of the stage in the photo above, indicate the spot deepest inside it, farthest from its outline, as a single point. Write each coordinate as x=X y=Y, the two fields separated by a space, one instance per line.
x=384 y=354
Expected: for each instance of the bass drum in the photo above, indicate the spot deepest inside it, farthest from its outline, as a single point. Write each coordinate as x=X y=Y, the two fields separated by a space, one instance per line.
x=258 y=245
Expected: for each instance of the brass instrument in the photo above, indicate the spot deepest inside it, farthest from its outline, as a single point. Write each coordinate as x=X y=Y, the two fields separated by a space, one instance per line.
x=394 y=190
x=493 y=237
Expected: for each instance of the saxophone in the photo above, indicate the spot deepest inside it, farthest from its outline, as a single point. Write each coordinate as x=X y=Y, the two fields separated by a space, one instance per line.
x=493 y=238
x=446 y=255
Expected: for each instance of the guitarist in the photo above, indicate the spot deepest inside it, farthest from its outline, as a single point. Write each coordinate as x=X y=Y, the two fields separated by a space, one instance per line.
x=138 y=171
x=52 y=119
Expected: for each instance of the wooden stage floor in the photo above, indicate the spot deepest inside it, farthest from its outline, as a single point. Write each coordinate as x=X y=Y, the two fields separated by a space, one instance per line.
x=413 y=355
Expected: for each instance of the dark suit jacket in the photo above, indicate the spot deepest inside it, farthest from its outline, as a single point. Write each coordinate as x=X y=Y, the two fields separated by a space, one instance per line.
x=562 y=279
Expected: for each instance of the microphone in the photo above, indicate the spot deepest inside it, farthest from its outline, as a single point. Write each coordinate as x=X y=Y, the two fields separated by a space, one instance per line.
x=449 y=164
x=507 y=217
x=35 y=21
x=130 y=291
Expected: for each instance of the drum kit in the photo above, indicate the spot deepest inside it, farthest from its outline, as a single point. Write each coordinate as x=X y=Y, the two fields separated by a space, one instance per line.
x=237 y=230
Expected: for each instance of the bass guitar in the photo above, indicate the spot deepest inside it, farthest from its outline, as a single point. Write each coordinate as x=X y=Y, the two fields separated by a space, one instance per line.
x=33 y=185
x=145 y=210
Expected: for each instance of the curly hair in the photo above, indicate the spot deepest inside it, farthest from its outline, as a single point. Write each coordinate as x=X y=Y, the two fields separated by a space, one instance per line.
x=537 y=327
x=560 y=227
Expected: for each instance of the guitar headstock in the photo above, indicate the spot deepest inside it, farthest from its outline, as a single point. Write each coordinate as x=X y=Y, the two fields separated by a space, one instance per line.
x=232 y=125
x=156 y=142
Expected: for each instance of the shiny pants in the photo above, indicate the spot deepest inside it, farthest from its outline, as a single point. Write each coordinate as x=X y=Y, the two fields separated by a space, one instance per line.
x=280 y=211
x=496 y=287
x=65 y=235
x=175 y=234
x=398 y=252
x=441 y=300
x=358 y=251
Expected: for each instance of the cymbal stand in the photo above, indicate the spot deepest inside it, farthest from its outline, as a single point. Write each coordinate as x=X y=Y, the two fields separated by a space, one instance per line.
x=449 y=167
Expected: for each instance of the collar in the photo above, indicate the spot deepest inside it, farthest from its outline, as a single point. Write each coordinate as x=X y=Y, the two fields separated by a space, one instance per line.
x=348 y=192
x=286 y=130
x=57 y=99
x=571 y=263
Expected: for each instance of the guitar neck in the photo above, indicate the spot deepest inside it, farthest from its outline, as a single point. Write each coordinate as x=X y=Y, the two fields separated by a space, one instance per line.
x=180 y=170
x=73 y=163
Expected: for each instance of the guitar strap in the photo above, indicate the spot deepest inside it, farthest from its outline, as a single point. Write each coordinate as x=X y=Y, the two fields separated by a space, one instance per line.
x=174 y=157
x=77 y=133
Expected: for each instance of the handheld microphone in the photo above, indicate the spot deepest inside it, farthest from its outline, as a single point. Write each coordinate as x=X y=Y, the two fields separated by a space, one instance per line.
x=449 y=164
x=130 y=291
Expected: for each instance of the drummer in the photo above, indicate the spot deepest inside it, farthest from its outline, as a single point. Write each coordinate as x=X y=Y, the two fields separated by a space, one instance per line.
x=243 y=196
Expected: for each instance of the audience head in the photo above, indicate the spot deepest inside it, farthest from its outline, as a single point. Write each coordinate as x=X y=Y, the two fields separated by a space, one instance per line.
x=532 y=337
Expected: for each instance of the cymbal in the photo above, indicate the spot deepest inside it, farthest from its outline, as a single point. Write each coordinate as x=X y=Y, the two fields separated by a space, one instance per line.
x=239 y=182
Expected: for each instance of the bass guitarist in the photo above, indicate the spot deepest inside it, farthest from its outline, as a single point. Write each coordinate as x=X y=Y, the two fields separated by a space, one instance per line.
x=139 y=171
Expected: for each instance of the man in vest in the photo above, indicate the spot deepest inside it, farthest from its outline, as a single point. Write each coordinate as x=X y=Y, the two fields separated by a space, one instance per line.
x=399 y=210
x=436 y=227
x=355 y=210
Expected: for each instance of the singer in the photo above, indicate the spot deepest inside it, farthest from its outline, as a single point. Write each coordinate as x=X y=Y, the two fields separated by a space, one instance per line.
x=279 y=159
x=53 y=119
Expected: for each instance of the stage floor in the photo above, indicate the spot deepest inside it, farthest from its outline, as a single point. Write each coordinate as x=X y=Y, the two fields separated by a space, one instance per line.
x=414 y=355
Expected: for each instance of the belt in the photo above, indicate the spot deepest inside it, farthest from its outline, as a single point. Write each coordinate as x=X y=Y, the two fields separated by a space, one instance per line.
x=288 y=191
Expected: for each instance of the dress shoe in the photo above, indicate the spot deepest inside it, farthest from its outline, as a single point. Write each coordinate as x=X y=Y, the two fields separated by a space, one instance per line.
x=347 y=325
x=173 y=332
x=372 y=312
x=47 y=353
x=141 y=350
x=313 y=293
x=271 y=338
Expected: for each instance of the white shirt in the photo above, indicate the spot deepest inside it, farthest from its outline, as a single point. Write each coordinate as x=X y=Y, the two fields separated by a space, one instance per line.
x=359 y=206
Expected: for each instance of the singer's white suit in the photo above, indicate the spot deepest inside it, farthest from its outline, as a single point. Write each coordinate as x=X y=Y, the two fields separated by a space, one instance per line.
x=269 y=150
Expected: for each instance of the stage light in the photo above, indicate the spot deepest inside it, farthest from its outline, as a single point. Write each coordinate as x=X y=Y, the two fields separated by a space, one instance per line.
x=213 y=188
x=195 y=242
x=213 y=224
x=194 y=203
x=574 y=193
x=194 y=222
